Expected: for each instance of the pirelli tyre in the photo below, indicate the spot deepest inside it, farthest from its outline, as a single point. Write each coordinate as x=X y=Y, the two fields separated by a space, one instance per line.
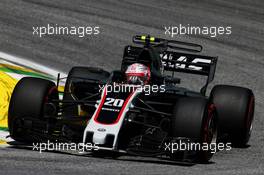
x=235 y=110
x=194 y=119
x=28 y=101
x=82 y=80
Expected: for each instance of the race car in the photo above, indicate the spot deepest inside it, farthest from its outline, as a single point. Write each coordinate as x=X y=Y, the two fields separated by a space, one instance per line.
x=140 y=109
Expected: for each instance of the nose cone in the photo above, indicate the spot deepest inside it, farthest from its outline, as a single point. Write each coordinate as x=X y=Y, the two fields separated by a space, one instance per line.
x=99 y=137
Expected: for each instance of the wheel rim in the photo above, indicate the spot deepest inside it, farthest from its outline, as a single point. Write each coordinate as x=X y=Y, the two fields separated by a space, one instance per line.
x=209 y=133
x=210 y=130
x=249 y=118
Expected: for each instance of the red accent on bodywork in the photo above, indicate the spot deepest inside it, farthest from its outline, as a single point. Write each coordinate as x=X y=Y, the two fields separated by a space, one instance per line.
x=120 y=113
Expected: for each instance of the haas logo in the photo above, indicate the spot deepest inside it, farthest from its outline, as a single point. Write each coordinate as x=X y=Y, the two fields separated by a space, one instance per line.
x=101 y=129
x=167 y=57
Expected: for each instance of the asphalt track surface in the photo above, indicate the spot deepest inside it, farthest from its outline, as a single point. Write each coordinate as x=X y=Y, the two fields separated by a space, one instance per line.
x=240 y=54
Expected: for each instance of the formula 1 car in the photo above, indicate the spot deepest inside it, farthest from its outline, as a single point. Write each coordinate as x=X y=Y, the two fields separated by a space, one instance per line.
x=136 y=122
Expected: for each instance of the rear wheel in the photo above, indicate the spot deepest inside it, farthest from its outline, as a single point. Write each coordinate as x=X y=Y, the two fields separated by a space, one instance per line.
x=195 y=119
x=235 y=110
x=76 y=88
x=28 y=101
x=82 y=84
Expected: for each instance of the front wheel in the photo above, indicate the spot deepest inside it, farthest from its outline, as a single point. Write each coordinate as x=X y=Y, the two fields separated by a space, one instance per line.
x=28 y=101
x=195 y=119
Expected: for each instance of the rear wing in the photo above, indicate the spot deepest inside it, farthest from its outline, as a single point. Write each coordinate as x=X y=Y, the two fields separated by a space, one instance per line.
x=190 y=63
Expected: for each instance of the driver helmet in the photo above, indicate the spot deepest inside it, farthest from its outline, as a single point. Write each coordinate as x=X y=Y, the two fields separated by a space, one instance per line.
x=138 y=74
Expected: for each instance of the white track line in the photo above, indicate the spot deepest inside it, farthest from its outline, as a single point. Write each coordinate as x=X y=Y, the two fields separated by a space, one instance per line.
x=30 y=64
x=3 y=137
